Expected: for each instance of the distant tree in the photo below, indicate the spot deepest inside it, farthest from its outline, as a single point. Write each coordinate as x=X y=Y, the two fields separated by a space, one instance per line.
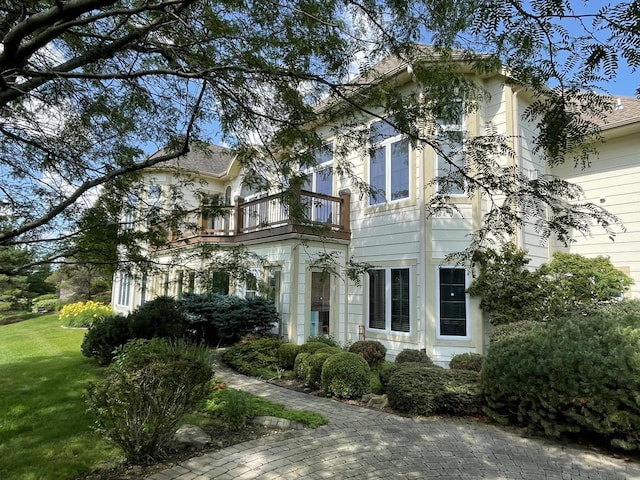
x=89 y=87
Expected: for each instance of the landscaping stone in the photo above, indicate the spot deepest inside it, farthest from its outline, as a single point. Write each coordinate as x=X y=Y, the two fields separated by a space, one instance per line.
x=191 y=435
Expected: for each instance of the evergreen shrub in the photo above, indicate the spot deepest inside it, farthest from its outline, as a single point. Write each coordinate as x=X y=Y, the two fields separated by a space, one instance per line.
x=346 y=375
x=467 y=361
x=313 y=368
x=372 y=351
x=286 y=355
x=258 y=358
x=577 y=374
x=312 y=347
x=300 y=365
x=418 y=389
x=413 y=356
x=104 y=336
x=327 y=339
x=500 y=332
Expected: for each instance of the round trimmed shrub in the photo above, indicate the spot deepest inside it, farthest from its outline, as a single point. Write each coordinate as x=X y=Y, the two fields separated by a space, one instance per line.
x=286 y=355
x=467 y=361
x=330 y=350
x=413 y=356
x=326 y=339
x=500 y=332
x=257 y=357
x=313 y=368
x=418 y=389
x=312 y=347
x=371 y=350
x=300 y=367
x=571 y=375
x=345 y=375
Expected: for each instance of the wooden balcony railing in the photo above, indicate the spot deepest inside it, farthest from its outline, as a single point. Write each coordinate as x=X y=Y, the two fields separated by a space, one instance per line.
x=316 y=214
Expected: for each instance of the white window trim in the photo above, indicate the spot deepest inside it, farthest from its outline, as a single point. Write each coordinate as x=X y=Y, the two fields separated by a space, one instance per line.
x=386 y=144
x=453 y=127
x=124 y=290
x=466 y=305
x=321 y=167
x=387 y=303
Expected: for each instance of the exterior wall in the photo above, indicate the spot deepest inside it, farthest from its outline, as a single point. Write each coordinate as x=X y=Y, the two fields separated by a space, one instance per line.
x=613 y=181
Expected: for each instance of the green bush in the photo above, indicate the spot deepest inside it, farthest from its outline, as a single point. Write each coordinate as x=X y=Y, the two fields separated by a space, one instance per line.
x=467 y=361
x=371 y=350
x=346 y=375
x=158 y=318
x=577 y=374
x=300 y=365
x=225 y=319
x=327 y=339
x=258 y=358
x=286 y=355
x=330 y=350
x=385 y=370
x=146 y=392
x=104 y=336
x=313 y=366
x=84 y=314
x=234 y=407
x=312 y=347
x=48 y=302
x=413 y=356
x=418 y=389
x=500 y=332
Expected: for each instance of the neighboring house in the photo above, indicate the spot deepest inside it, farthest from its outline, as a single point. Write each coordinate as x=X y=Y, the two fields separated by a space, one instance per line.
x=410 y=298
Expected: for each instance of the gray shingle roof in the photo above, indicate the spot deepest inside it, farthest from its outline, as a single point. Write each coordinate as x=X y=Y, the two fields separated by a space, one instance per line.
x=626 y=110
x=212 y=159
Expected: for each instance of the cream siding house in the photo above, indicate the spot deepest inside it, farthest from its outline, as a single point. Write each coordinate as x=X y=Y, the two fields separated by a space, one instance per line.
x=410 y=298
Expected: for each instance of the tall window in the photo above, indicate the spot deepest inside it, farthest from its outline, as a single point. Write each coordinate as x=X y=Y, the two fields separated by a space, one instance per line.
x=390 y=300
x=452 y=302
x=124 y=289
x=450 y=130
x=389 y=164
x=219 y=282
x=319 y=179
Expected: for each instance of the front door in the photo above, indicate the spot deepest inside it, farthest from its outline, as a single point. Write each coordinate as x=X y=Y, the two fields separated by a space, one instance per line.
x=320 y=303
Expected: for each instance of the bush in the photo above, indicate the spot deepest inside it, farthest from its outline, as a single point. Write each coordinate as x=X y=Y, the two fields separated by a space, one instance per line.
x=300 y=365
x=83 y=314
x=286 y=355
x=104 y=336
x=371 y=350
x=330 y=350
x=500 y=332
x=234 y=407
x=313 y=368
x=257 y=358
x=225 y=319
x=413 y=356
x=345 y=375
x=312 y=347
x=578 y=374
x=146 y=392
x=46 y=303
x=327 y=339
x=418 y=389
x=467 y=361
x=157 y=318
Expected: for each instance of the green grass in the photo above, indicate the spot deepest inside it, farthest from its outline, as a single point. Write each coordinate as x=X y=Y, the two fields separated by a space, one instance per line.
x=261 y=407
x=45 y=431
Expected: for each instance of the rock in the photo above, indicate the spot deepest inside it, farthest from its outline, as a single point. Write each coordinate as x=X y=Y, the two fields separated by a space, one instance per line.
x=376 y=401
x=191 y=435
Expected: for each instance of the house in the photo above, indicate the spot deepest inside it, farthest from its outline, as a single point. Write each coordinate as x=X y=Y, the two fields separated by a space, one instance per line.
x=410 y=297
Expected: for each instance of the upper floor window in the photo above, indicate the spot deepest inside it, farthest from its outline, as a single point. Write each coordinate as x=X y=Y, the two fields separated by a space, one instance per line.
x=319 y=179
x=450 y=164
x=388 y=164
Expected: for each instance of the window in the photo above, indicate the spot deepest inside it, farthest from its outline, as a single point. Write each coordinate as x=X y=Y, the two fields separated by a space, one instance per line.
x=124 y=290
x=219 y=282
x=450 y=132
x=320 y=178
x=452 y=303
x=389 y=164
x=154 y=204
x=390 y=300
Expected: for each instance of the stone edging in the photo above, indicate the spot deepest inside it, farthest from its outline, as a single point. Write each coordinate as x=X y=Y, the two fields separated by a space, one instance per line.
x=277 y=422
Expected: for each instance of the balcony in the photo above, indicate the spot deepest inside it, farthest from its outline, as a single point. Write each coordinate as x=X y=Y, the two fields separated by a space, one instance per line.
x=267 y=217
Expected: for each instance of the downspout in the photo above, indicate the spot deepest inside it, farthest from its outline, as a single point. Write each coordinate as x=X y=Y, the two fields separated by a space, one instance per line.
x=517 y=149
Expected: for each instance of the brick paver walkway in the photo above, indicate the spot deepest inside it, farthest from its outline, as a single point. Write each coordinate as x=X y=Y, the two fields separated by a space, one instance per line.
x=365 y=444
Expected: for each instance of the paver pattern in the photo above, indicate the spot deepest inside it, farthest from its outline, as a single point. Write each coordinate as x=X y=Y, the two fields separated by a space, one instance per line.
x=360 y=443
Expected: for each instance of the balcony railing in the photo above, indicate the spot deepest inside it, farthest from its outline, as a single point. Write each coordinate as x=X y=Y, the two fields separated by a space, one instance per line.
x=316 y=214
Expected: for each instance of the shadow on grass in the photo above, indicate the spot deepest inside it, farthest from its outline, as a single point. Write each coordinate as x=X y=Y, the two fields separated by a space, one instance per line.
x=45 y=428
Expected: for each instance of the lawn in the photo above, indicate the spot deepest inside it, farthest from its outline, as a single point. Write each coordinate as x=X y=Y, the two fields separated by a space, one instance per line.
x=45 y=430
